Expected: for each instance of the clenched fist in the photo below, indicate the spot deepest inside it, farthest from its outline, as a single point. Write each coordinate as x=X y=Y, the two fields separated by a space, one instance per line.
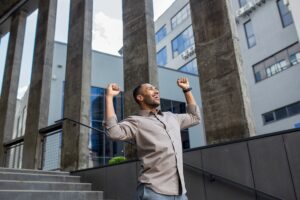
x=112 y=90
x=183 y=83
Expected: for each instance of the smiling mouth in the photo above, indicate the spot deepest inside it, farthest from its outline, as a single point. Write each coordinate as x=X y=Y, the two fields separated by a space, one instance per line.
x=156 y=97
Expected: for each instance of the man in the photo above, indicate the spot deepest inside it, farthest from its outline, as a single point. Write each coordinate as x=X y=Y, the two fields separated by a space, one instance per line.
x=158 y=139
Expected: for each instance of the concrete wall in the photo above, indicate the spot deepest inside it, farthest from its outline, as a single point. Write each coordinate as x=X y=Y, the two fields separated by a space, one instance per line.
x=280 y=89
x=268 y=163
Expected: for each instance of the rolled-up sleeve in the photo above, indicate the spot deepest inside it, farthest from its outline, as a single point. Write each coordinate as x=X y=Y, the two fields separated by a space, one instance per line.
x=191 y=118
x=124 y=130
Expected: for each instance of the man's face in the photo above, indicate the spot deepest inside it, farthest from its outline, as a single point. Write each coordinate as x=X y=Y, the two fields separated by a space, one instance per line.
x=150 y=95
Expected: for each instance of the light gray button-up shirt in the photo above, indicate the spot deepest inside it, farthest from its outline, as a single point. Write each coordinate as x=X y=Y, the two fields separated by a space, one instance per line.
x=159 y=147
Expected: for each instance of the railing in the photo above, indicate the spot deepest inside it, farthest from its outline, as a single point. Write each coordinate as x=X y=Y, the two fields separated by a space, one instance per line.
x=13 y=152
x=51 y=145
x=55 y=129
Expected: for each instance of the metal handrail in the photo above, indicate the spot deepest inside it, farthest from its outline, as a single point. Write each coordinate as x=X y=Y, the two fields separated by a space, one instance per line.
x=95 y=129
x=214 y=177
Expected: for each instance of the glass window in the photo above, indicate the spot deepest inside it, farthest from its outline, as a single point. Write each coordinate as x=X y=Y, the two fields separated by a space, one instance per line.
x=251 y=41
x=281 y=113
x=101 y=147
x=268 y=117
x=183 y=14
x=242 y=3
x=295 y=58
x=190 y=67
x=279 y=62
x=160 y=34
x=183 y=41
x=161 y=57
x=285 y=14
x=276 y=68
x=293 y=109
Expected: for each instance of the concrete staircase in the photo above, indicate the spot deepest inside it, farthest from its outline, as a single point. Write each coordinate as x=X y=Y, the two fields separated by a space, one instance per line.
x=21 y=184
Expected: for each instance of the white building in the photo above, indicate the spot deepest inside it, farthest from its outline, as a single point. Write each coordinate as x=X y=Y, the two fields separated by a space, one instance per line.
x=270 y=50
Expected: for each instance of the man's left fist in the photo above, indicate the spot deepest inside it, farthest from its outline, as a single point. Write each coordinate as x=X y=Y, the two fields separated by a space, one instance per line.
x=183 y=83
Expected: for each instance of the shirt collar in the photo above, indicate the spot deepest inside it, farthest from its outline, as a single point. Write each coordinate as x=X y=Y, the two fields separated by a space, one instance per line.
x=147 y=113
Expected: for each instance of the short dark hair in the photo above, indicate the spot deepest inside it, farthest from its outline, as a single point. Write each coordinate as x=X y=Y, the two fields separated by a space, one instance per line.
x=136 y=92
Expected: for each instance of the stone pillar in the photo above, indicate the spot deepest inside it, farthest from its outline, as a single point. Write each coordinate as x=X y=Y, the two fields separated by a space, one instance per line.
x=11 y=79
x=226 y=106
x=139 y=54
x=75 y=152
x=39 y=89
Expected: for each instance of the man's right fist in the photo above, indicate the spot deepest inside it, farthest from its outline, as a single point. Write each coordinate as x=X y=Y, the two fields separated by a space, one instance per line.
x=112 y=90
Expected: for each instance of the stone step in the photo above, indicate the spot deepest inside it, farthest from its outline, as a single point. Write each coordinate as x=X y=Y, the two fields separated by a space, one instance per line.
x=37 y=185
x=38 y=177
x=50 y=195
x=13 y=170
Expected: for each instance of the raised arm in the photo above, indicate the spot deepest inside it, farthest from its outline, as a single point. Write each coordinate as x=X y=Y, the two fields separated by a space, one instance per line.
x=184 y=84
x=112 y=90
x=192 y=117
x=124 y=130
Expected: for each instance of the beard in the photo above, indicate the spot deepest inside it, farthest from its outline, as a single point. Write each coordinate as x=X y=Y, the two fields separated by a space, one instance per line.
x=151 y=102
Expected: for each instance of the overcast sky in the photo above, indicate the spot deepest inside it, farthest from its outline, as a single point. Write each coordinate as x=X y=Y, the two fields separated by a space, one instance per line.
x=107 y=33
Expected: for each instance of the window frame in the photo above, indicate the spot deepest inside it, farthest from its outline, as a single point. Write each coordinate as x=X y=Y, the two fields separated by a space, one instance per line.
x=193 y=37
x=161 y=50
x=283 y=15
x=249 y=36
x=188 y=14
x=159 y=30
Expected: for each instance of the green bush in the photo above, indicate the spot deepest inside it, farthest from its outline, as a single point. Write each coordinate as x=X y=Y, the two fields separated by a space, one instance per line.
x=116 y=160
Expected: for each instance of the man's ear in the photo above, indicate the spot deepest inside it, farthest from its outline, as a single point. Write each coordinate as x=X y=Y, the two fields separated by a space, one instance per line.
x=139 y=97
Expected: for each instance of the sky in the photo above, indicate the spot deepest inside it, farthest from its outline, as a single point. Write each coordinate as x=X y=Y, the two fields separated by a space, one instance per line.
x=107 y=33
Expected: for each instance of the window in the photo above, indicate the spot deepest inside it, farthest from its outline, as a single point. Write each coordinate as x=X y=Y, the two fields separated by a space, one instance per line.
x=295 y=58
x=293 y=109
x=177 y=107
x=183 y=14
x=277 y=63
x=242 y=3
x=282 y=113
x=190 y=67
x=102 y=148
x=276 y=68
x=183 y=41
x=251 y=41
x=160 y=34
x=285 y=14
x=161 y=57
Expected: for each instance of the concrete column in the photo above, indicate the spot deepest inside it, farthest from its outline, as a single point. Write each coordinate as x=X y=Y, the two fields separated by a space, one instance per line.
x=11 y=79
x=226 y=106
x=75 y=152
x=39 y=90
x=139 y=54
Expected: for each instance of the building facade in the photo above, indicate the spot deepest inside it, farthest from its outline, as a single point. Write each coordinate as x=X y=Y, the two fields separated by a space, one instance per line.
x=270 y=51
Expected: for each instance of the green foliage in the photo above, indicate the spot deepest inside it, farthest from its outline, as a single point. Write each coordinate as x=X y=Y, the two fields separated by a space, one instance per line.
x=116 y=160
